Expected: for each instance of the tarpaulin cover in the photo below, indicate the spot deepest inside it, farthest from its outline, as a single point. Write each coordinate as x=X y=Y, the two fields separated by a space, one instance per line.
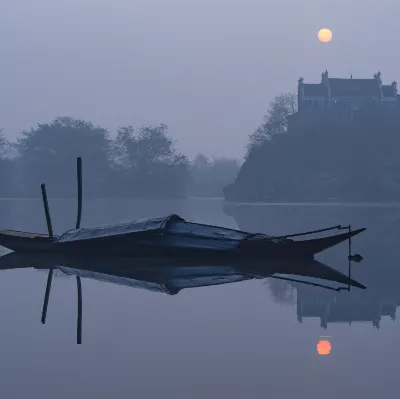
x=203 y=230
x=135 y=226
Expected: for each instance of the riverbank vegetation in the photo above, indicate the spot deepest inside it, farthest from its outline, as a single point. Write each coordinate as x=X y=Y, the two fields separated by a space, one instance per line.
x=137 y=162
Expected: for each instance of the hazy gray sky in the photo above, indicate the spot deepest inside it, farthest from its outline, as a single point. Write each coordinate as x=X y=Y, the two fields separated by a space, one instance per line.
x=206 y=68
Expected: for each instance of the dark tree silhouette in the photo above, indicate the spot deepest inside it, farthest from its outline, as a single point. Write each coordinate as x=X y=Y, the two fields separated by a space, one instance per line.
x=276 y=119
x=149 y=162
x=331 y=155
x=4 y=144
x=48 y=154
x=8 y=178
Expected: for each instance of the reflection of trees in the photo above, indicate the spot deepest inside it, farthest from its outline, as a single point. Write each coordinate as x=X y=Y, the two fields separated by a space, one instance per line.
x=281 y=292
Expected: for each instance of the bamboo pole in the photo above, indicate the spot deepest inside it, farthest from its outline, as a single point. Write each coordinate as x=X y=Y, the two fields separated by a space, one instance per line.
x=46 y=210
x=79 y=177
x=50 y=231
x=78 y=225
x=79 y=319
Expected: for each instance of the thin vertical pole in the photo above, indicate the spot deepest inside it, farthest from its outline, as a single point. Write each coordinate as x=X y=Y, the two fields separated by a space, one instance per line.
x=78 y=225
x=46 y=210
x=79 y=320
x=349 y=256
x=47 y=295
x=50 y=231
x=79 y=176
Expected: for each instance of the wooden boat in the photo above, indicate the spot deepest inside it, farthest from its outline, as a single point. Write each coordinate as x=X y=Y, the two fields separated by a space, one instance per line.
x=153 y=239
x=170 y=235
x=21 y=241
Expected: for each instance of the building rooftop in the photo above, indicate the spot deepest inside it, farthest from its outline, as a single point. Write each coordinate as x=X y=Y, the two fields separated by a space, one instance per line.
x=350 y=88
x=387 y=91
x=354 y=87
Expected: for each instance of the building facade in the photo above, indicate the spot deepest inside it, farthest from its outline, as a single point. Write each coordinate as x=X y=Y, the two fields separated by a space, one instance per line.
x=336 y=99
x=346 y=94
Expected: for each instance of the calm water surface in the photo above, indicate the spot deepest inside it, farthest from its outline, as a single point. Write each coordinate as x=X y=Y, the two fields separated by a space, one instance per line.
x=253 y=339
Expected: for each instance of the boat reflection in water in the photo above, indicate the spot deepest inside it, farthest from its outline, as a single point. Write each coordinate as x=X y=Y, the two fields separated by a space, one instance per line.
x=377 y=303
x=379 y=269
x=171 y=275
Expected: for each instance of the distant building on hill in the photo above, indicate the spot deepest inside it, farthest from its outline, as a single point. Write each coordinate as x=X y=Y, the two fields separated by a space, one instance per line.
x=345 y=97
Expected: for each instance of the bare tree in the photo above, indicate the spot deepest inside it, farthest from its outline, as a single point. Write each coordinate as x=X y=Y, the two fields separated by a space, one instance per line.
x=276 y=119
x=4 y=144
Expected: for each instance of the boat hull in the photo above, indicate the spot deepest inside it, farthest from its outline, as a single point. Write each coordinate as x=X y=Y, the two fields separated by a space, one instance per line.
x=300 y=248
x=175 y=245
x=26 y=242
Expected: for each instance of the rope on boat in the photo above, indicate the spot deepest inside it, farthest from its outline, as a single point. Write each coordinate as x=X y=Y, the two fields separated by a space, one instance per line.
x=338 y=227
x=351 y=258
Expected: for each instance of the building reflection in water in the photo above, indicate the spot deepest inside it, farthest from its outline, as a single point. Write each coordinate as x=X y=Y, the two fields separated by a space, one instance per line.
x=345 y=307
x=379 y=271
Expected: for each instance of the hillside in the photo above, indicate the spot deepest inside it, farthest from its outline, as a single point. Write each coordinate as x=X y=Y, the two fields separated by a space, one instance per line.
x=352 y=158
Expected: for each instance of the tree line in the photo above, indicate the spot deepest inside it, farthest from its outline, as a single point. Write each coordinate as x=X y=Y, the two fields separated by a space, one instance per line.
x=137 y=162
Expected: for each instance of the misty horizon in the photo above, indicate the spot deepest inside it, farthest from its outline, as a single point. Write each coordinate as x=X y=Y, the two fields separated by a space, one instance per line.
x=206 y=69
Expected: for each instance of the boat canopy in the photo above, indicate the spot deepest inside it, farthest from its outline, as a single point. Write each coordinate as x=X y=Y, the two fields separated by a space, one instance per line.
x=205 y=230
x=173 y=224
x=124 y=228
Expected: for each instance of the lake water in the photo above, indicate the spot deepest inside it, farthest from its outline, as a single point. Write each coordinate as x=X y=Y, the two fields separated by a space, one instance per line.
x=252 y=339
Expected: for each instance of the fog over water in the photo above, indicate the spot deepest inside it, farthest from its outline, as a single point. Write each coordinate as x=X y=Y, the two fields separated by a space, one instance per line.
x=159 y=99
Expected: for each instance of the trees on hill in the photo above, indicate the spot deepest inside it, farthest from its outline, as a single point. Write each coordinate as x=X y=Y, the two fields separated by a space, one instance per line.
x=352 y=158
x=275 y=121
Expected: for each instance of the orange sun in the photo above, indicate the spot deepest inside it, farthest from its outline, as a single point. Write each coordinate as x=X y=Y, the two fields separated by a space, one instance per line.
x=325 y=35
x=324 y=347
